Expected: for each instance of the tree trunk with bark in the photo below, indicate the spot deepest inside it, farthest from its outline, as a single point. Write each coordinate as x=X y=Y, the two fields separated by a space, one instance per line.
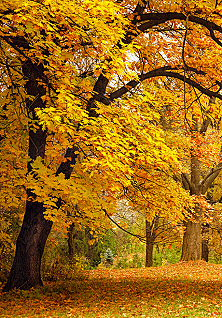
x=205 y=241
x=25 y=272
x=149 y=254
x=149 y=245
x=205 y=250
x=191 y=249
x=71 y=241
x=192 y=240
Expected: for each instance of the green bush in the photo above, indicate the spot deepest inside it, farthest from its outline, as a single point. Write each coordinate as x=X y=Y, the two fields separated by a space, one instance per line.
x=215 y=258
x=9 y=230
x=166 y=255
x=122 y=263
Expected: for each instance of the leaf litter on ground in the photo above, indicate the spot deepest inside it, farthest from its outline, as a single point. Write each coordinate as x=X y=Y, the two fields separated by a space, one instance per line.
x=191 y=289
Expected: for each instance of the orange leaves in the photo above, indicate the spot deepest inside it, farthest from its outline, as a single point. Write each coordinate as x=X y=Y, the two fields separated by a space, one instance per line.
x=137 y=143
x=190 y=289
x=206 y=147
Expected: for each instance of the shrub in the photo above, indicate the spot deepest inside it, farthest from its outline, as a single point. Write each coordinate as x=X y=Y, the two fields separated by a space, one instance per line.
x=108 y=257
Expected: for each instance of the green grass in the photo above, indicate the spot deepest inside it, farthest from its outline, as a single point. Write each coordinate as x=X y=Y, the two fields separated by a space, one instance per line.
x=191 y=289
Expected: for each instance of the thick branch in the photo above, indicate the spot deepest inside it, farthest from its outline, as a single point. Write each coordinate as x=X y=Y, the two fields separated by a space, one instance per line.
x=141 y=5
x=210 y=177
x=185 y=181
x=207 y=121
x=163 y=71
x=153 y=19
x=67 y=166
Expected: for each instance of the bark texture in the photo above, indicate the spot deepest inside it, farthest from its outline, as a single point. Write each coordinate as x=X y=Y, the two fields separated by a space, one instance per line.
x=191 y=250
x=205 y=250
x=149 y=245
x=205 y=242
x=25 y=272
x=192 y=241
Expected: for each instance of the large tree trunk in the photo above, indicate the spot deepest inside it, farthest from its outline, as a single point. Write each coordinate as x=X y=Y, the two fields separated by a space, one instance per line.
x=149 y=245
x=191 y=250
x=25 y=272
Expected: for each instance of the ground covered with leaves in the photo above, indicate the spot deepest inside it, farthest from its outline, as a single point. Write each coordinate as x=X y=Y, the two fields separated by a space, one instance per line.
x=191 y=289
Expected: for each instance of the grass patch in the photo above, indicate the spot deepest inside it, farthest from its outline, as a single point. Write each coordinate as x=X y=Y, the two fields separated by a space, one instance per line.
x=190 y=289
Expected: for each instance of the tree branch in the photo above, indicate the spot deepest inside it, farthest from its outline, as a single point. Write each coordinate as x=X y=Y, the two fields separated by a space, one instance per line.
x=207 y=121
x=153 y=19
x=185 y=181
x=141 y=5
x=210 y=177
x=163 y=71
x=141 y=238
x=150 y=20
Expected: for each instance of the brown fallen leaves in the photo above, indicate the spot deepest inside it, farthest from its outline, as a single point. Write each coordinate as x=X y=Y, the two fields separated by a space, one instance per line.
x=192 y=289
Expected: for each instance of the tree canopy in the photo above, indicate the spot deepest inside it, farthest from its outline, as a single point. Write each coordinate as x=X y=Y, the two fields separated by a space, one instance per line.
x=102 y=100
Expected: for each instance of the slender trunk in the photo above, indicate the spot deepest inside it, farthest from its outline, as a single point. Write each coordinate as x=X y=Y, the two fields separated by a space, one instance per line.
x=192 y=238
x=205 y=241
x=205 y=250
x=71 y=241
x=149 y=245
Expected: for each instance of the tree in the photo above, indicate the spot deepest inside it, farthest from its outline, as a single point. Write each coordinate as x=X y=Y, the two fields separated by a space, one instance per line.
x=159 y=230
x=196 y=128
x=211 y=230
x=29 y=68
x=67 y=70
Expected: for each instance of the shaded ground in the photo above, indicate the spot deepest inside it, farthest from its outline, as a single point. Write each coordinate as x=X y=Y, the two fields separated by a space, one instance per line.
x=191 y=289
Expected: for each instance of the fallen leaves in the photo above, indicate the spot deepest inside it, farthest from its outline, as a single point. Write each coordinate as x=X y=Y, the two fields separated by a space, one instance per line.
x=190 y=289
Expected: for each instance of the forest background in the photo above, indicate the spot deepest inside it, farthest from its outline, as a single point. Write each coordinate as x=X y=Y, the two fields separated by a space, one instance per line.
x=110 y=118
